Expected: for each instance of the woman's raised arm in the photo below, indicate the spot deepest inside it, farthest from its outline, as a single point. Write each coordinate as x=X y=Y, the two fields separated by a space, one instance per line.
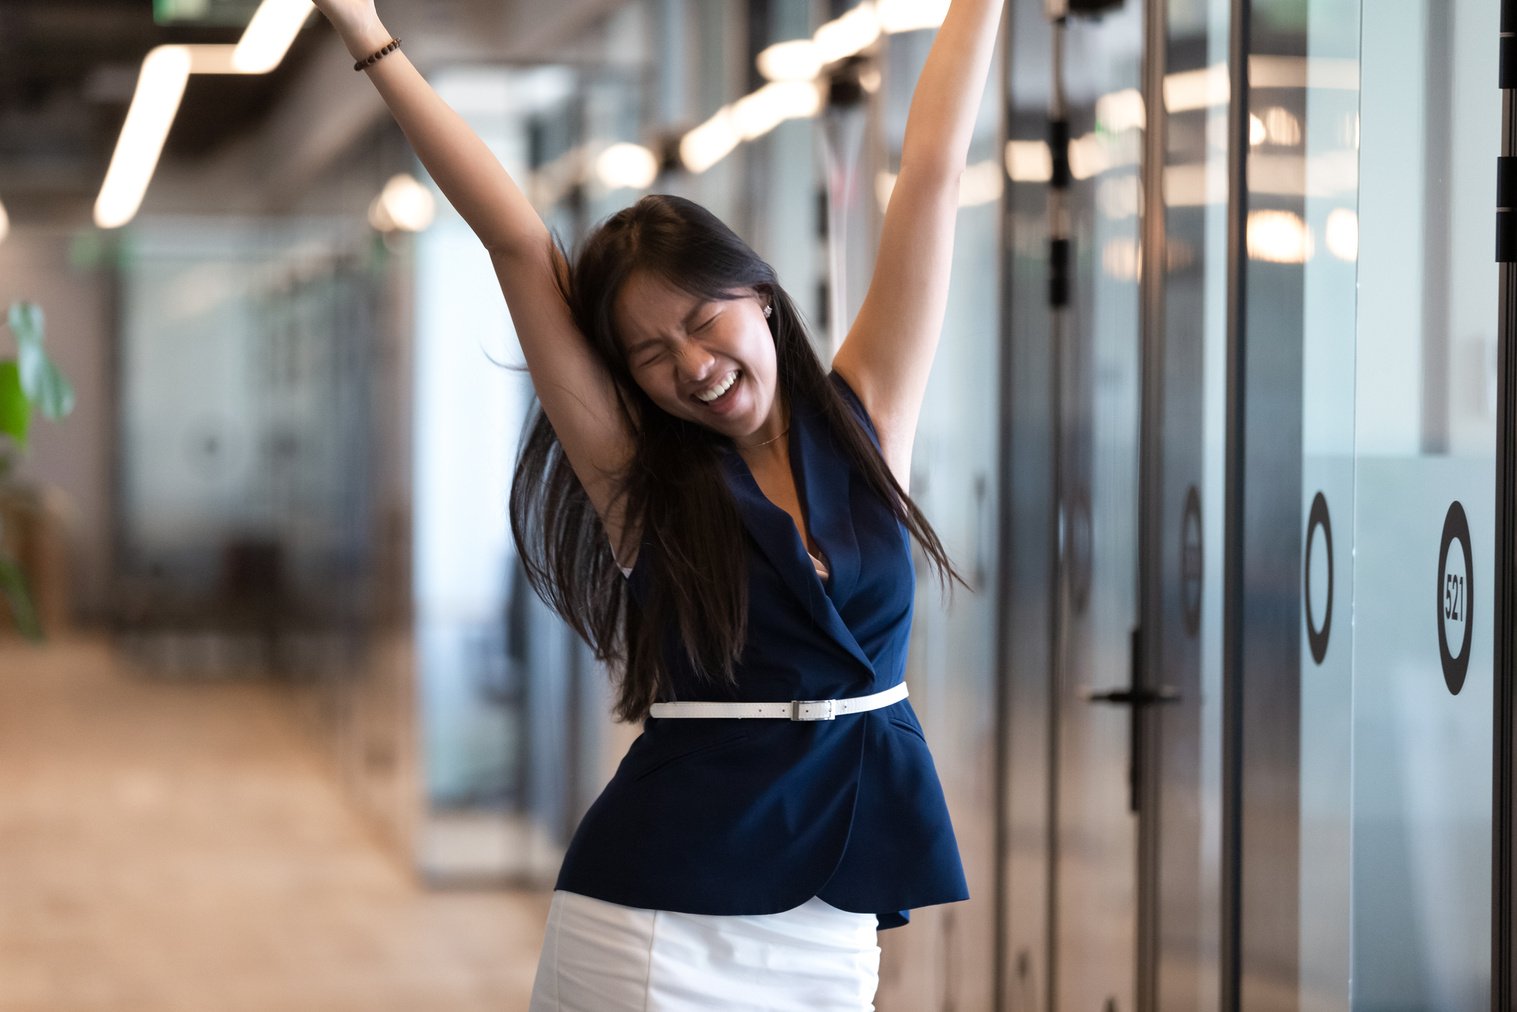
x=574 y=388
x=888 y=352
x=466 y=171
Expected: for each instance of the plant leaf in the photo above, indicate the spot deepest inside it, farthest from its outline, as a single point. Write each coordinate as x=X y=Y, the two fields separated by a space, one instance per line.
x=15 y=409
x=13 y=591
x=43 y=384
x=26 y=322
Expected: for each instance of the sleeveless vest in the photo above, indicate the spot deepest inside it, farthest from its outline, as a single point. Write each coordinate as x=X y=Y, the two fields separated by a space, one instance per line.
x=733 y=816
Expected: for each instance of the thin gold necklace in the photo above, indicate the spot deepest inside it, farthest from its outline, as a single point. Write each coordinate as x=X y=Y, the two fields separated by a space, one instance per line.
x=755 y=446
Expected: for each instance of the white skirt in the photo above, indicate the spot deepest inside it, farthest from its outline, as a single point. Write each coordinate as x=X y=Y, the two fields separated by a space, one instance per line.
x=604 y=957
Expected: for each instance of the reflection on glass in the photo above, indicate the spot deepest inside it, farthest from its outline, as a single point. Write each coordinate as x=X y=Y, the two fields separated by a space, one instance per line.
x=1187 y=949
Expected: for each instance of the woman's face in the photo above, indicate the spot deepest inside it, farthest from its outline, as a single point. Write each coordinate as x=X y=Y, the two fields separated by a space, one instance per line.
x=710 y=362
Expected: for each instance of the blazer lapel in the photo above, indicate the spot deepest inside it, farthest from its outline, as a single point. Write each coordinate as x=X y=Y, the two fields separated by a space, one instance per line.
x=776 y=536
x=825 y=487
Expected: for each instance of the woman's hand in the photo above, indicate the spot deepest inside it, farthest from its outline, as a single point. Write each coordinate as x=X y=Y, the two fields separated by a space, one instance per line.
x=357 y=22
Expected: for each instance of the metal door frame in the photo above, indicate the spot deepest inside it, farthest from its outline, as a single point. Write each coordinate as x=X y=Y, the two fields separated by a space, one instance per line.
x=1230 y=947
x=1504 y=700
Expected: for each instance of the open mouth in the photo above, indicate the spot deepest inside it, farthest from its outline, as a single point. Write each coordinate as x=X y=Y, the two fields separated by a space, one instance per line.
x=720 y=393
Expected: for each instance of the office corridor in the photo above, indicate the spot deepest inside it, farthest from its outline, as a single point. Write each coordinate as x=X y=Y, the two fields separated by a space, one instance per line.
x=182 y=846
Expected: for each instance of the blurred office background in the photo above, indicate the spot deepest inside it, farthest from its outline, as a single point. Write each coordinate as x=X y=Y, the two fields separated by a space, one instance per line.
x=300 y=737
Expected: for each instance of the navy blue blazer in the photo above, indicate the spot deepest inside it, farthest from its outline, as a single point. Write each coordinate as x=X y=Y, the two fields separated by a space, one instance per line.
x=733 y=816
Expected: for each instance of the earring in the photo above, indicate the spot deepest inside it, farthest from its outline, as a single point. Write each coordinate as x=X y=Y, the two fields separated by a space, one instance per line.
x=767 y=311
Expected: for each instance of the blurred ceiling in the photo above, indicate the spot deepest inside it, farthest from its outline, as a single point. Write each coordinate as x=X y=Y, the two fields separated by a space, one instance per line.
x=68 y=69
x=67 y=72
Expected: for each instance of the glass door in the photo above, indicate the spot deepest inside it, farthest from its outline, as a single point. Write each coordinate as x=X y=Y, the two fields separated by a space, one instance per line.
x=1097 y=370
x=1368 y=423
x=1186 y=458
x=1075 y=389
x=1424 y=528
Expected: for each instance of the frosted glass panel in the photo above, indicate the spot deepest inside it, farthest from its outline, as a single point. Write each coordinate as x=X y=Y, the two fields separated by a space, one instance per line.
x=1425 y=441
x=1327 y=496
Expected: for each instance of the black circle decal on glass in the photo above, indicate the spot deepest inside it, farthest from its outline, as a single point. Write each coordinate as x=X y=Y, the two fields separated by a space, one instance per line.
x=1191 y=559
x=1319 y=636
x=1456 y=588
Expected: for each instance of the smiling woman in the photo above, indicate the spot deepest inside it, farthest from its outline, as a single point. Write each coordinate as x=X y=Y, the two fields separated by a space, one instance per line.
x=672 y=302
x=716 y=367
x=689 y=434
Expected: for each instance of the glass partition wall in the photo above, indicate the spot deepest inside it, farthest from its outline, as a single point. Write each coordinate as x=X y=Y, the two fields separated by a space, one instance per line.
x=1369 y=314
x=1429 y=130
x=1312 y=675
x=261 y=477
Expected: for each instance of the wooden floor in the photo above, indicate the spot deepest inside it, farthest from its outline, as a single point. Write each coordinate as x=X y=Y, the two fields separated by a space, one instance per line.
x=174 y=846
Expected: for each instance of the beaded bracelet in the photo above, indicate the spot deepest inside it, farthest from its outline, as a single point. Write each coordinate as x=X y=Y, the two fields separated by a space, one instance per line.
x=374 y=57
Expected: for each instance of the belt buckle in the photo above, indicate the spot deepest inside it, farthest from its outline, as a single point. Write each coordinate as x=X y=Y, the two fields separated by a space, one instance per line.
x=829 y=709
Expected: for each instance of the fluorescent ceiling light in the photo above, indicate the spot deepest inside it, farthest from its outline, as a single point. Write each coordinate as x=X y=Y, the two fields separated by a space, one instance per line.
x=751 y=116
x=627 y=166
x=1121 y=110
x=160 y=86
x=710 y=142
x=403 y=204
x=847 y=35
x=758 y=113
x=269 y=34
x=792 y=67
x=1029 y=161
x=795 y=60
x=1202 y=88
x=1343 y=233
x=206 y=59
x=1278 y=237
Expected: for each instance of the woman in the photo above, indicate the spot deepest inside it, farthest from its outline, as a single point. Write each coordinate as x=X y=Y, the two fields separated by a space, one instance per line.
x=781 y=804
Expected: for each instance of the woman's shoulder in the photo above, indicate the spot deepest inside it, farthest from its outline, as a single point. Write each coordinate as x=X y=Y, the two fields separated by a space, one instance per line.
x=851 y=398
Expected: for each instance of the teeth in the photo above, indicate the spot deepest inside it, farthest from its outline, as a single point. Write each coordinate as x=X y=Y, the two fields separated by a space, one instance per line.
x=712 y=393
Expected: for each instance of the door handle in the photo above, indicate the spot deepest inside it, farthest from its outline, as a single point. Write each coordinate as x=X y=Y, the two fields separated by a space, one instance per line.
x=1131 y=697
x=1137 y=699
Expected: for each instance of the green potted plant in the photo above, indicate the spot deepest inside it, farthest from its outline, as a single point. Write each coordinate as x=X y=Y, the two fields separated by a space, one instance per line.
x=29 y=383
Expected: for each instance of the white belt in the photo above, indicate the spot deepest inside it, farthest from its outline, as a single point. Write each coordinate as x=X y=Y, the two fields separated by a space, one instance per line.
x=796 y=709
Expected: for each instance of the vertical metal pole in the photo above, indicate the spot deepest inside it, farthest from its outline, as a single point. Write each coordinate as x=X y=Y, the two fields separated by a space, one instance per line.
x=1230 y=949
x=1060 y=264
x=1003 y=966
x=1504 y=778
x=1147 y=675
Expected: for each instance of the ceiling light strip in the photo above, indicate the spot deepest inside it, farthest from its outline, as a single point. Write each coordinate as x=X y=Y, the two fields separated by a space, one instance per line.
x=160 y=87
x=792 y=66
x=269 y=35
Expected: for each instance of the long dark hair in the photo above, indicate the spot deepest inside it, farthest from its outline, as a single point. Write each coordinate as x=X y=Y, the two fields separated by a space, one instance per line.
x=672 y=493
